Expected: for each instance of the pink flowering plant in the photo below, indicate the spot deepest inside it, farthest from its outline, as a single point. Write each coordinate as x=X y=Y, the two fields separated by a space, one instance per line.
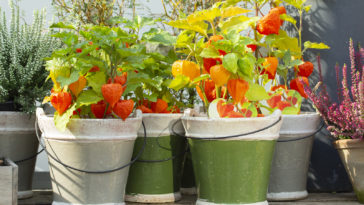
x=344 y=119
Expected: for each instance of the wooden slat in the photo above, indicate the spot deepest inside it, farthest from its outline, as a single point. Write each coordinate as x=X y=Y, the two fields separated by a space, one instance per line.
x=44 y=197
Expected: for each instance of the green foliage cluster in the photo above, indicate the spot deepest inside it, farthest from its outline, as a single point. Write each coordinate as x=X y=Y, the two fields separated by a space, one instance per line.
x=22 y=50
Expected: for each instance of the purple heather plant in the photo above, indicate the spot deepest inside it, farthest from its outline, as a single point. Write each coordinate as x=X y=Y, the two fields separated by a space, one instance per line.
x=344 y=119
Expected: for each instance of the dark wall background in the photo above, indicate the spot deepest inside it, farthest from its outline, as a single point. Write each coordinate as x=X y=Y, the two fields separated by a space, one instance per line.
x=333 y=22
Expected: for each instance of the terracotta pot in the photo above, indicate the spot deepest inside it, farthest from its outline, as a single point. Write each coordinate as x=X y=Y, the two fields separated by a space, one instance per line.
x=351 y=152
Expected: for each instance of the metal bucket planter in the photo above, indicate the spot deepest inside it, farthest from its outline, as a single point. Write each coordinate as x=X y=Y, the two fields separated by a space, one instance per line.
x=156 y=176
x=291 y=159
x=351 y=152
x=232 y=157
x=19 y=143
x=188 y=184
x=92 y=146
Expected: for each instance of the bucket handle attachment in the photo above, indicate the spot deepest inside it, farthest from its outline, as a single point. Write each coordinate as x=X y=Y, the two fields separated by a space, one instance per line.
x=88 y=171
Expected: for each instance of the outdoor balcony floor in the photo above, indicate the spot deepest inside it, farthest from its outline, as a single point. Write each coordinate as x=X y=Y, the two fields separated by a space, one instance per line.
x=44 y=197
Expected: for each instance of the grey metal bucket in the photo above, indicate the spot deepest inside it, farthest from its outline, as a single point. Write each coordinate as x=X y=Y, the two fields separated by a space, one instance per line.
x=291 y=159
x=92 y=145
x=18 y=142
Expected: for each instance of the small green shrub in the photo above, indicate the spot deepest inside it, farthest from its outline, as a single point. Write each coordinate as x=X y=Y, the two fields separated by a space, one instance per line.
x=22 y=51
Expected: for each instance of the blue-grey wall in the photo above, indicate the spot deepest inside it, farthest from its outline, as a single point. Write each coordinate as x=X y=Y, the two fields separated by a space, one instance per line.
x=332 y=22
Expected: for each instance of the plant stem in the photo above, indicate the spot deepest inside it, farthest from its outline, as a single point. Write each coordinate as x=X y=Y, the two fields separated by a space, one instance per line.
x=218 y=91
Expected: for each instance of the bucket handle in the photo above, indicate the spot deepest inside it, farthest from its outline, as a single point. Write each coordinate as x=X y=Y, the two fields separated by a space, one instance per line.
x=87 y=171
x=172 y=157
x=304 y=137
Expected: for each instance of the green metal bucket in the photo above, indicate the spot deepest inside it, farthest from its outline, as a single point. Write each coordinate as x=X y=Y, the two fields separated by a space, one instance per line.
x=232 y=170
x=188 y=184
x=156 y=176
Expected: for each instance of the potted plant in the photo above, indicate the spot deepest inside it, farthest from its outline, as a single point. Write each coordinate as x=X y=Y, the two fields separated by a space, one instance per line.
x=292 y=154
x=165 y=147
x=22 y=82
x=344 y=119
x=89 y=147
x=232 y=144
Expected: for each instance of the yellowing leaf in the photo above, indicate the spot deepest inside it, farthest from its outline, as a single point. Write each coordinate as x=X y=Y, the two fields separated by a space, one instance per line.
x=283 y=42
x=309 y=44
x=237 y=23
x=290 y=19
x=61 y=121
x=179 y=82
x=200 y=27
x=307 y=8
x=233 y=11
x=184 y=38
x=256 y=93
x=204 y=15
x=46 y=99
x=290 y=111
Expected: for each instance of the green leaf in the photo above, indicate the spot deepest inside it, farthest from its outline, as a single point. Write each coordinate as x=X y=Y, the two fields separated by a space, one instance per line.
x=290 y=19
x=68 y=80
x=309 y=44
x=256 y=93
x=225 y=45
x=88 y=97
x=246 y=65
x=61 y=121
x=230 y=62
x=140 y=22
x=290 y=111
x=96 y=80
x=251 y=107
x=210 y=52
x=62 y=25
x=152 y=97
x=179 y=82
x=163 y=38
x=297 y=96
x=200 y=78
